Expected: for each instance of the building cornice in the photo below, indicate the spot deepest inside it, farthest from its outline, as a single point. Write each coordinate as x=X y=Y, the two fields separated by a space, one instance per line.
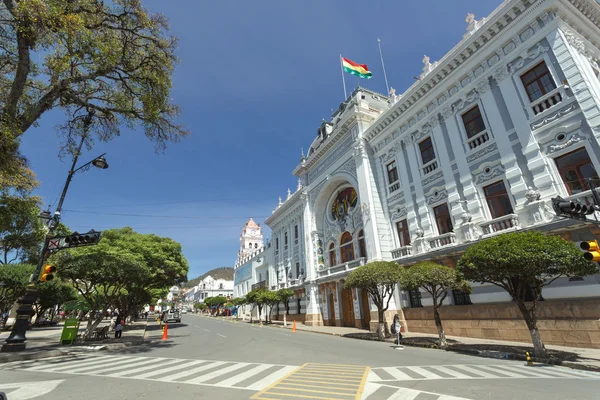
x=285 y=207
x=427 y=94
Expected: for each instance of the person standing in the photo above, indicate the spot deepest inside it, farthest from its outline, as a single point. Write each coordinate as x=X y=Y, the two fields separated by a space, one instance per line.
x=119 y=329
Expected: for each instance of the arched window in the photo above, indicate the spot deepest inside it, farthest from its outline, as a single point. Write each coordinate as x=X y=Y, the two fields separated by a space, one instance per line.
x=332 y=258
x=362 y=247
x=347 y=247
x=256 y=245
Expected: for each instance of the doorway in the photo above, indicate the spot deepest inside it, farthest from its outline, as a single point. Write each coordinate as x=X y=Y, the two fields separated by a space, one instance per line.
x=366 y=310
x=347 y=307
x=331 y=309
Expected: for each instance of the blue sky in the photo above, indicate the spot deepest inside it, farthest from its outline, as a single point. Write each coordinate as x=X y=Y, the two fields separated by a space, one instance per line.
x=255 y=80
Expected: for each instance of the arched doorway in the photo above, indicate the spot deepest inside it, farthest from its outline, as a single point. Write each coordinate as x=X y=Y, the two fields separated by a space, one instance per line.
x=347 y=308
x=347 y=247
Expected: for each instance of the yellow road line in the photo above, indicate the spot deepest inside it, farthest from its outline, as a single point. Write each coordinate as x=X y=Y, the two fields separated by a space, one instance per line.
x=319 y=381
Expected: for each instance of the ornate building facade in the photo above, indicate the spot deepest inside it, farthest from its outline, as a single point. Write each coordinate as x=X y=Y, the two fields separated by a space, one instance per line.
x=476 y=147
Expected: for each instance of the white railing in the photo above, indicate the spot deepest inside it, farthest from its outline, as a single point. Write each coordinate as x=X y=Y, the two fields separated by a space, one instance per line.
x=479 y=139
x=547 y=101
x=403 y=251
x=393 y=187
x=430 y=167
x=505 y=222
x=342 y=267
x=447 y=239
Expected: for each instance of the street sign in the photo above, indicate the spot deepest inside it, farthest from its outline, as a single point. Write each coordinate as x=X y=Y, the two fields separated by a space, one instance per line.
x=53 y=244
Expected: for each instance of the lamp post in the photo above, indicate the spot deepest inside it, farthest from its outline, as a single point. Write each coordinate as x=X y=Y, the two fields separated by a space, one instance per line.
x=17 y=338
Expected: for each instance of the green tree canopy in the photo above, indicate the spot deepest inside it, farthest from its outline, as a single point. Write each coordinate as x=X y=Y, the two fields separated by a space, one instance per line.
x=270 y=300
x=13 y=282
x=53 y=293
x=523 y=263
x=437 y=280
x=379 y=279
x=111 y=57
x=21 y=231
x=284 y=296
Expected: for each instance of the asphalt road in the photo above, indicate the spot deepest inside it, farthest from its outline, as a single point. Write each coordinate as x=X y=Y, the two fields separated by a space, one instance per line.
x=210 y=358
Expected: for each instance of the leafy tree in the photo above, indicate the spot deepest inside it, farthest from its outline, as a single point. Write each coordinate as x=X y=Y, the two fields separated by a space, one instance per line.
x=111 y=58
x=21 y=231
x=285 y=295
x=51 y=294
x=269 y=300
x=437 y=280
x=523 y=263
x=99 y=275
x=254 y=299
x=379 y=279
x=14 y=279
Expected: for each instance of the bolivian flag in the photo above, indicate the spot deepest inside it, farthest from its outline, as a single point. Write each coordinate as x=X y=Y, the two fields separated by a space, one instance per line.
x=360 y=70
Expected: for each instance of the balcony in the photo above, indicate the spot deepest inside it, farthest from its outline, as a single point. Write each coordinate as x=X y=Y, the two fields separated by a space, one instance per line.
x=393 y=187
x=547 y=101
x=447 y=239
x=403 y=251
x=479 y=139
x=430 y=167
x=506 y=222
x=260 y=285
x=347 y=266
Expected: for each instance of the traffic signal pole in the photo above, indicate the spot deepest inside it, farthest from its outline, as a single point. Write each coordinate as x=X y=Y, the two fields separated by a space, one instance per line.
x=16 y=339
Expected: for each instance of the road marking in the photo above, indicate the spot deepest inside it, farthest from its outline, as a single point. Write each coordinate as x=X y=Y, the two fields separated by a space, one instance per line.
x=319 y=381
x=244 y=375
x=500 y=371
x=206 y=330
x=268 y=380
x=183 y=374
x=218 y=334
x=217 y=373
x=175 y=368
x=29 y=390
x=152 y=365
x=372 y=391
x=197 y=326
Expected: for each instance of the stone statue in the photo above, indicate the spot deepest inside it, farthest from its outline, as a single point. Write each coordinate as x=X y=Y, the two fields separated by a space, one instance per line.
x=470 y=18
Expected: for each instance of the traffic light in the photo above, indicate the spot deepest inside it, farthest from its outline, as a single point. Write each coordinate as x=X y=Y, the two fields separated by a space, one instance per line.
x=48 y=273
x=591 y=249
x=77 y=239
x=568 y=208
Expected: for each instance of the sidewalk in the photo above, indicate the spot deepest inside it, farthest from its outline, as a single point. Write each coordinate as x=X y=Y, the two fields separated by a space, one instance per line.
x=574 y=357
x=44 y=342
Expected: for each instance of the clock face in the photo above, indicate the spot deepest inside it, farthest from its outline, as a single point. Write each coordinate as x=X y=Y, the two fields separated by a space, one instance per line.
x=253 y=233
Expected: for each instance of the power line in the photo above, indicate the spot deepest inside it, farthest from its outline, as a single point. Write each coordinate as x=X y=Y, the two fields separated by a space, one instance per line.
x=162 y=216
x=160 y=227
x=161 y=203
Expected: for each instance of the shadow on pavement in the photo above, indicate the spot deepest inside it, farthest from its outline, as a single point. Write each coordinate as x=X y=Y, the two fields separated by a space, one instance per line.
x=143 y=348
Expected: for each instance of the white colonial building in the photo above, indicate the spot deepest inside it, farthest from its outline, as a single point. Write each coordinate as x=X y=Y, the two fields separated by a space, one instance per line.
x=478 y=146
x=209 y=287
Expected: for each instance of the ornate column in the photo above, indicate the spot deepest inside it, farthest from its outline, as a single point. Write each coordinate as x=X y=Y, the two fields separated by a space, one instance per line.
x=471 y=204
x=411 y=214
x=425 y=228
x=368 y=197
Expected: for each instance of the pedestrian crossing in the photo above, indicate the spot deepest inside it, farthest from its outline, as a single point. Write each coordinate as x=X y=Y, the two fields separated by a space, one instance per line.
x=373 y=391
x=499 y=371
x=226 y=374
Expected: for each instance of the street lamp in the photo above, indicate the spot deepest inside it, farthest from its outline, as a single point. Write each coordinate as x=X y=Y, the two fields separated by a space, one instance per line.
x=16 y=340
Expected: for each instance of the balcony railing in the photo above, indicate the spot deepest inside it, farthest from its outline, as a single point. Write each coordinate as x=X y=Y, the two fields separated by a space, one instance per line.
x=447 y=239
x=506 y=222
x=479 y=139
x=430 y=167
x=260 y=285
x=342 y=267
x=393 y=187
x=547 y=101
x=403 y=251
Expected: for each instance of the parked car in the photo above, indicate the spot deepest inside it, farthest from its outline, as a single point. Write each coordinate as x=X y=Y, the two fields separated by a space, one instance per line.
x=171 y=316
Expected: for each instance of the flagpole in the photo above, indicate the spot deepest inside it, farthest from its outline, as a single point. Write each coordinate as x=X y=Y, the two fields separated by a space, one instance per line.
x=383 y=66
x=343 y=78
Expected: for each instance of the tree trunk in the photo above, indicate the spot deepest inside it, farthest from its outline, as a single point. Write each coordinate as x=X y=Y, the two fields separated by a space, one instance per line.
x=380 y=324
x=440 y=328
x=285 y=319
x=91 y=325
x=539 y=350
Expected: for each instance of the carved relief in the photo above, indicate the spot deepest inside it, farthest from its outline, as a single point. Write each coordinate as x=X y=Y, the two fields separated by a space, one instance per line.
x=489 y=172
x=483 y=152
x=432 y=178
x=349 y=166
x=395 y=198
x=437 y=195
x=483 y=86
x=334 y=156
x=366 y=212
x=519 y=62
x=553 y=117
x=398 y=214
x=501 y=73
x=571 y=140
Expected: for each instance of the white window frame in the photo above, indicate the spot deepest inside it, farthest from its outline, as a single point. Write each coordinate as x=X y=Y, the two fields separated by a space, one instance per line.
x=481 y=192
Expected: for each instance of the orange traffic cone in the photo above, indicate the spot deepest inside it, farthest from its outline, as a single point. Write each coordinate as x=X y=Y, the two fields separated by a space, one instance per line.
x=165 y=335
x=294 y=326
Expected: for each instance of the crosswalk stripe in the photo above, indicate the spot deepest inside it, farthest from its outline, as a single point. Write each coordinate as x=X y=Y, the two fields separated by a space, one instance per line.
x=405 y=394
x=183 y=374
x=497 y=370
x=451 y=372
x=153 y=365
x=244 y=375
x=169 y=369
x=425 y=373
x=214 y=374
x=67 y=363
x=269 y=379
x=373 y=377
x=537 y=372
x=114 y=363
x=397 y=374
x=475 y=371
